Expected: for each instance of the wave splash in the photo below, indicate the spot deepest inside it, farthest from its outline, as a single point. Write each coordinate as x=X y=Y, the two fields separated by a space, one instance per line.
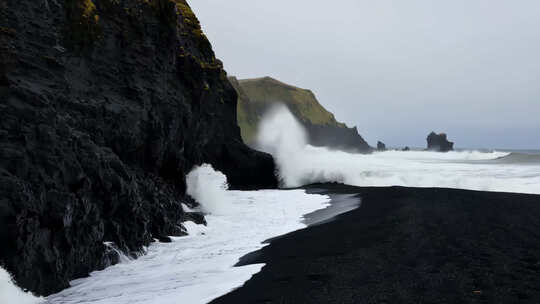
x=199 y=267
x=209 y=188
x=281 y=135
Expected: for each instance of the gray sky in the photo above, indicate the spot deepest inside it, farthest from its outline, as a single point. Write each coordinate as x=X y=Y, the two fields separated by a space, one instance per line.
x=396 y=69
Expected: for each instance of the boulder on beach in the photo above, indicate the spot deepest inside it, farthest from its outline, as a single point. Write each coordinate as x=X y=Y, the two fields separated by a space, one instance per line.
x=439 y=142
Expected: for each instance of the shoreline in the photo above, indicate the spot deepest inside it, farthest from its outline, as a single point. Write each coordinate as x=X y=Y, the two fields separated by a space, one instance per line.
x=339 y=204
x=199 y=267
x=405 y=245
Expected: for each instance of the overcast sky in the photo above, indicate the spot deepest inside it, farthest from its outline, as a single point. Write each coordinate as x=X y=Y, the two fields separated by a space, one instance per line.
x=396 y=69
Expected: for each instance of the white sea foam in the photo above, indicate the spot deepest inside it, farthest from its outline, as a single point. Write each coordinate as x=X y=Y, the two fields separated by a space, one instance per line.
x=199 y=267
x=209 y=187
x=301 y=164
x=9 y=293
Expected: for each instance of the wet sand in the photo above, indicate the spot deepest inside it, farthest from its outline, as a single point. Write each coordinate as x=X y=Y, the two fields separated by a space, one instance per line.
x=404 y=245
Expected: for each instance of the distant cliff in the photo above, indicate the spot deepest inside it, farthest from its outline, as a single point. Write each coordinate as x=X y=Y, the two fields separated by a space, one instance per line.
x=255 y=96
x=104 y=107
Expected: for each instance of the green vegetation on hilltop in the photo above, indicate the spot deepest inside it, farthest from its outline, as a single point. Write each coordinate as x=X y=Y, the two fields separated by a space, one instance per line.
x=257 y=95
x=303 y=103
x=247 y=115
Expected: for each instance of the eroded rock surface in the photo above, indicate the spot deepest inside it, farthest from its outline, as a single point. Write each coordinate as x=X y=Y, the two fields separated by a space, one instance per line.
x=439 y=142
x=105 y=106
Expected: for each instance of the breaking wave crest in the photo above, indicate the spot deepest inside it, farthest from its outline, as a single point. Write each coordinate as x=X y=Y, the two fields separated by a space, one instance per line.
x=300 y=164
x=519 y=158
x=199 y=267
x=209 y=188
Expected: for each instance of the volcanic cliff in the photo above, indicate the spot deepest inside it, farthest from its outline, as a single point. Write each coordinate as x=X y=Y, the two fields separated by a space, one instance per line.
x=256 y=96
x=105 y=106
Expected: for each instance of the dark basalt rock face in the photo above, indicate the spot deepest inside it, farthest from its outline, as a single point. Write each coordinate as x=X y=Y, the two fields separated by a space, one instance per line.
x=381 y=146
x=439 y=142
x=105 y=106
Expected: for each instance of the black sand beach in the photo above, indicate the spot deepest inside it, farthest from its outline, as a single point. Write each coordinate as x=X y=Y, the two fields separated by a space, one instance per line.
x=406 y=245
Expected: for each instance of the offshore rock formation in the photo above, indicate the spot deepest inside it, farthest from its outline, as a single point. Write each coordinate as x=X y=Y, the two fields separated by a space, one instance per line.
x=439 y=142
x=381 y=146
x=256 y=96
x=105 y=106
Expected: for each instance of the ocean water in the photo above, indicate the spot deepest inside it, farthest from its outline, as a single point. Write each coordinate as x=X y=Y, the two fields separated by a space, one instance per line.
x=199 y=267
x=300 y=164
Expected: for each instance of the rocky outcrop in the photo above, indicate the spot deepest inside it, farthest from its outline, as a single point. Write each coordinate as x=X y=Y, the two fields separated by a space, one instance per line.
x=256 y=96
x=439 y=142
x=381 y=146
x=340 y=138
x=105 y=106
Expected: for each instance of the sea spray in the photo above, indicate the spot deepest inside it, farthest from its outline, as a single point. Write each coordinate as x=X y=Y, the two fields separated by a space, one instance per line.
x=281 y=135
x=200 y=267
x=209 y=188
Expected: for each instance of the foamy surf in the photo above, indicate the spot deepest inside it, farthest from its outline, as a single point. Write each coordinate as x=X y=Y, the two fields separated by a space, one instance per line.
x=199 y=267
x=300 y=164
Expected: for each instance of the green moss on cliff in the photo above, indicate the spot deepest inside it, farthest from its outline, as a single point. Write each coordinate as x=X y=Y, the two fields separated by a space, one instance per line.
x=177 y=14
x=256 y=95
x=191 y=25
x=83 y=22
x=267 y=91
x=247 y=116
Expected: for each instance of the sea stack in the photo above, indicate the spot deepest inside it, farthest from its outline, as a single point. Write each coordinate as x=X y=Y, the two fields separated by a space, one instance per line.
x=439 y=142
